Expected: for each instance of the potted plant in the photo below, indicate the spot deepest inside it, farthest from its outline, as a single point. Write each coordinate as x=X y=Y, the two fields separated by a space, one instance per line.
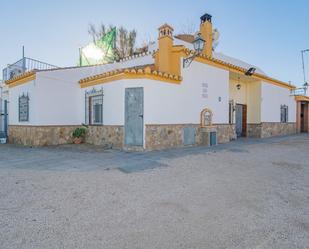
x=79 y=135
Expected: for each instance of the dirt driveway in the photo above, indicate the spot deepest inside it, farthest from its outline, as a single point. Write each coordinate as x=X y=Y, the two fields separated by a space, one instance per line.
x=246 y=194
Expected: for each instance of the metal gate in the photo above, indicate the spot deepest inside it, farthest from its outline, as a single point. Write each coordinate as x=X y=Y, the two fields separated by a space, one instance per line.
x=3 y=119
x=134 y=116
x=239 y=120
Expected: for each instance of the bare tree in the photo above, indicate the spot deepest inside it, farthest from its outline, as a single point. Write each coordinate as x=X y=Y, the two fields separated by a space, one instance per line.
x=92 y=31
x=145 y=43
x=125 y=39
x=189 y=27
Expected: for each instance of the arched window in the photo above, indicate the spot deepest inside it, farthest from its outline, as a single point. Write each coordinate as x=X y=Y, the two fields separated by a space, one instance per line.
x=206 y=117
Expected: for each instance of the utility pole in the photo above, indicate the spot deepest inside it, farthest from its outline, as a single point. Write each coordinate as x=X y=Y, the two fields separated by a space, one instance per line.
x=304 y=69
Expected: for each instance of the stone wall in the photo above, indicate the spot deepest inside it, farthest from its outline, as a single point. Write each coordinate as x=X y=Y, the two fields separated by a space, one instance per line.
x=277 y=129
x=226 y=133
x=264 y=130
x=106 y=135
x=254 y=130
x=40 y=135
x=172 y=136
x=111 y=136
x=163 y=136
x=157 y=136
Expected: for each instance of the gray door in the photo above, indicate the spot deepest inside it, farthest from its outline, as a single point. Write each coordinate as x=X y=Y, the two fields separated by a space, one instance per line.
x=134 y=116
x=189 y=136
x=239 y=119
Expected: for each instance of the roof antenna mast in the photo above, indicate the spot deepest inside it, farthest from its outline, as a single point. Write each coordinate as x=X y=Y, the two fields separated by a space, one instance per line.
x=304 y=70
x=24 y=61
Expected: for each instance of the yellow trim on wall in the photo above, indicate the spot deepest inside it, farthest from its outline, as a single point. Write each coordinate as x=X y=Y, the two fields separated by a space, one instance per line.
x=21 y=79
x=302 y=98
x=142 y=73
x=206 y=32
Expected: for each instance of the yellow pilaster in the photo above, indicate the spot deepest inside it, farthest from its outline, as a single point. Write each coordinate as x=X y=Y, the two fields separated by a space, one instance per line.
x=206 y=33
x=164 y=55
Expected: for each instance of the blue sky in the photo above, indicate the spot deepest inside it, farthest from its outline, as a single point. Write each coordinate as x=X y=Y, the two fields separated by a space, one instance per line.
x=269 y=34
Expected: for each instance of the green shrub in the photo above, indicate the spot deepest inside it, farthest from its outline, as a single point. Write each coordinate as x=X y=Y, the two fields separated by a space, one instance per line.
x=79 y=132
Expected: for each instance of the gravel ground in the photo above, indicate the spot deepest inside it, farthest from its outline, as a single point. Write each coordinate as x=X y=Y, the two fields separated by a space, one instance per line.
x=241 y=195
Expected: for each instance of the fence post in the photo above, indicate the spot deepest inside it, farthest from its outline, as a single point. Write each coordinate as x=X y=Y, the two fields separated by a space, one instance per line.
x=6 y=118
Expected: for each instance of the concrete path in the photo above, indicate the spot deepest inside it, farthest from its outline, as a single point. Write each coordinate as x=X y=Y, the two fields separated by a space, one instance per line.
x=245 y=194
x=88 y=157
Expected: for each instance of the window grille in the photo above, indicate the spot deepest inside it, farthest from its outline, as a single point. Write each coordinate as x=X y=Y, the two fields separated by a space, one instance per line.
x=97 y=110
x=284 y=114
x=94 y=107
x=23 y=108
x=204 y=90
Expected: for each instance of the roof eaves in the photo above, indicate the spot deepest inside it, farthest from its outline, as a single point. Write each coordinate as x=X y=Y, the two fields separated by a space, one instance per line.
x=302 y=98
x=146 y=71
x=21 y=78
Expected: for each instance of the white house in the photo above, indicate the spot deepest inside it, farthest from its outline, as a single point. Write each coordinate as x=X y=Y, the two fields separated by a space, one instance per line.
x=152 y=101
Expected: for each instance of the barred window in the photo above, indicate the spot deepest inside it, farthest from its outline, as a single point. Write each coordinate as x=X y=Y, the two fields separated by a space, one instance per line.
x=284 y=114
x=97 y=109
x=23 y=108
x=94 y=107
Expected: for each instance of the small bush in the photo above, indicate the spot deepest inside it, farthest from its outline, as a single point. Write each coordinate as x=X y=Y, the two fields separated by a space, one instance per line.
x=79 y=132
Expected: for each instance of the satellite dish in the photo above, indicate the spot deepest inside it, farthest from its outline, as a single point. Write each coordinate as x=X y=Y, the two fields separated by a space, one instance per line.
x=215 y=38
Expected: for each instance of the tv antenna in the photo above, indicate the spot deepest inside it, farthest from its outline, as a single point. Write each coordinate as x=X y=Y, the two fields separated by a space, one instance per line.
x=304 y=69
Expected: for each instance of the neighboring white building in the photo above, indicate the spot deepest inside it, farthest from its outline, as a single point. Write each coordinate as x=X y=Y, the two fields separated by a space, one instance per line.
x=151 y=101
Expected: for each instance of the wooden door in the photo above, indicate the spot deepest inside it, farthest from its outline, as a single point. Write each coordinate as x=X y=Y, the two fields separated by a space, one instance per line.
x=244 y=121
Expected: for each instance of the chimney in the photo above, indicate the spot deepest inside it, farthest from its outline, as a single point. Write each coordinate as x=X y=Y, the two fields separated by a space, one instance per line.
x=206 y=32
x=164 y=56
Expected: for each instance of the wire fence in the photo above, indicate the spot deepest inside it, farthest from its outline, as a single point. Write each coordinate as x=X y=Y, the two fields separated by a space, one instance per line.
x=300 y=91
x=24 y=65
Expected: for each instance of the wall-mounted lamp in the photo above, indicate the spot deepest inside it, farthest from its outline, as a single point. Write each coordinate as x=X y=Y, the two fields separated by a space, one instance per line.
x=198 y=44
x=250 y=71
